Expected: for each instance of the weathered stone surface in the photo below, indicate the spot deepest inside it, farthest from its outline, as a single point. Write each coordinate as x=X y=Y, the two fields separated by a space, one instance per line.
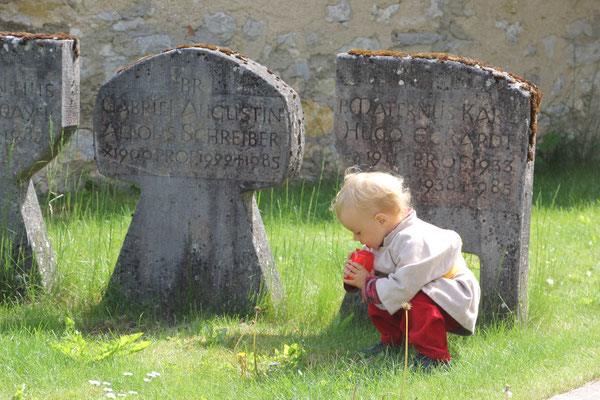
x=548 y=43
x=217 y=28
x=512 y=30
x=253 y=29
x=153 y=43
x=384 y=14
x=530 y=50
x=39 y=111
x=462 y=135
x=314 y=39
x=288 y=42
x=340 y=12
x=410 y=39
x=583 y=53
x=199 y=129
x=362 y=43
x=579 y=27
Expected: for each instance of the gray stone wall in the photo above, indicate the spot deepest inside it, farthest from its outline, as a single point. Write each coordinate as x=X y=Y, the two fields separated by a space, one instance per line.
x=555 y=44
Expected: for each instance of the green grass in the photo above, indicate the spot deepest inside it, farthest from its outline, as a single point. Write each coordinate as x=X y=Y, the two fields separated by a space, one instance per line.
x=556 y=349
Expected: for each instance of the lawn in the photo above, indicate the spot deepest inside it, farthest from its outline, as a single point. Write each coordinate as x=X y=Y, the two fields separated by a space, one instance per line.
x=302 y=350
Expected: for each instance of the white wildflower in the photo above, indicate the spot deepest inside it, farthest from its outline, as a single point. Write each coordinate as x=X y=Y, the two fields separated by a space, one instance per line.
x=106 y=383
x=132 y=392
x=107 y=389
x=550 y=281
x=147 y=380
x=111 y=395
x=127 y=373
x=95 y=383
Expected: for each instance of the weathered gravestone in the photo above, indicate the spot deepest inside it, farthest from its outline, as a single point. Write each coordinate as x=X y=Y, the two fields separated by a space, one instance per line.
x=199 y=128
x=462 y=134
x=39 y=111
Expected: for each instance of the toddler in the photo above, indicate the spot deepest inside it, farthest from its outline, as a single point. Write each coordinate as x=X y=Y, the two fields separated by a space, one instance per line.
x=415 y=262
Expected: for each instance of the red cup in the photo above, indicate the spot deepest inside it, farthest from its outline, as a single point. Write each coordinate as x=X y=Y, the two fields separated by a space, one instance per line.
x=364 y=258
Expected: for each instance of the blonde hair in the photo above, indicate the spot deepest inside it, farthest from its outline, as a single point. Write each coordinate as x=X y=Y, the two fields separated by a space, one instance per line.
x=379 y=191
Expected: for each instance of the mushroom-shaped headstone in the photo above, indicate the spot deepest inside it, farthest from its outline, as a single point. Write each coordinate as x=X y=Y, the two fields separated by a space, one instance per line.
x=199 y=128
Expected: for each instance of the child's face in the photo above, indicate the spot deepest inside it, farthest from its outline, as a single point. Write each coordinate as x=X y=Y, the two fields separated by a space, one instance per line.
x=368 y=227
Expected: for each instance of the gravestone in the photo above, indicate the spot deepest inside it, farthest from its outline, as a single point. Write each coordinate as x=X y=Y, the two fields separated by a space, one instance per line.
x=39 y=112
x=199 y=128
x=462 y=134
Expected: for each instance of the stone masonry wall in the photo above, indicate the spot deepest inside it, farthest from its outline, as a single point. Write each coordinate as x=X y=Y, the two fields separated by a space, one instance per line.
x=553 y=43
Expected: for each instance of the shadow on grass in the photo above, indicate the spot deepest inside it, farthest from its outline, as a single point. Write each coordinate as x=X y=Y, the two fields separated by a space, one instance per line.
x=30 y=318
x=566 y=185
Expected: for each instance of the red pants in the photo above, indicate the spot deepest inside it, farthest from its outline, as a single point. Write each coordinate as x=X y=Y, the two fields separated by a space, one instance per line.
x=427 y=326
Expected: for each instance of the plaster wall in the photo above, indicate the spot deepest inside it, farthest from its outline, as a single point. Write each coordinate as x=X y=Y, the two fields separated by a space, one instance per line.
x=553 y=43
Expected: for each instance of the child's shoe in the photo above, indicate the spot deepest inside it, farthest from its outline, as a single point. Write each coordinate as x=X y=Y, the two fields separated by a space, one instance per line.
x=377 y=348
x=428 y=364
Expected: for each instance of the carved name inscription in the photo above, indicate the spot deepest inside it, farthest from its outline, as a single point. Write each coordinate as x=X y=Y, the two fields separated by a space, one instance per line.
x=24 y=105
x=455 y=148
x=39 y=98
x=27 y=105
x=181 y=126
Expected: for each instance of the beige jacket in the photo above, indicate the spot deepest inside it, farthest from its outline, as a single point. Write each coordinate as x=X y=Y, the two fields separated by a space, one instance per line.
x=415 y=256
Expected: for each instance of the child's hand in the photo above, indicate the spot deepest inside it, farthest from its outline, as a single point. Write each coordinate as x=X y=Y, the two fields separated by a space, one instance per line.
x=355 y=274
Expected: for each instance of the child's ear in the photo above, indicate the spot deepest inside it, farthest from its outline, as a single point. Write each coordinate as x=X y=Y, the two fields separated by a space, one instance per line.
x=381 y=218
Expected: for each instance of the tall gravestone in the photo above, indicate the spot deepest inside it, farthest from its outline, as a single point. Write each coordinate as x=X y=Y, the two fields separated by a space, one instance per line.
x=199 y=128
x=462 y=134
x=39 y=111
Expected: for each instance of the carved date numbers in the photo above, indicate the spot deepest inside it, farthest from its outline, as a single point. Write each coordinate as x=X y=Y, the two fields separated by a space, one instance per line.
x=452 y=184
x=169 y=157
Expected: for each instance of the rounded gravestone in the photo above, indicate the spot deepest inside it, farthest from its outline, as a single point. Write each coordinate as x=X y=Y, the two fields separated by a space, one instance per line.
x=199 y=128
x=462 y=133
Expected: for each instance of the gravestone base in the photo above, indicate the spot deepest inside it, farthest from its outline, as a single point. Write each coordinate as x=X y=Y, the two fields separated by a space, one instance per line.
x=26 y=255
x=501 y=243
x=176 y=258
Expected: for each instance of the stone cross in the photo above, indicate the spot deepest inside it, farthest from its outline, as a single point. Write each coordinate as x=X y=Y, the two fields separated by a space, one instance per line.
x=199 y=128
x=39 y=112
x=462 y=134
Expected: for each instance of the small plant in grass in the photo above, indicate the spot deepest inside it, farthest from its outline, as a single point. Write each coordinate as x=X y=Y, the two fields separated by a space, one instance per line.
x=290 y=357
x=340 y=323
x=22 y=393
x=212 y=335
x=73 y=344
